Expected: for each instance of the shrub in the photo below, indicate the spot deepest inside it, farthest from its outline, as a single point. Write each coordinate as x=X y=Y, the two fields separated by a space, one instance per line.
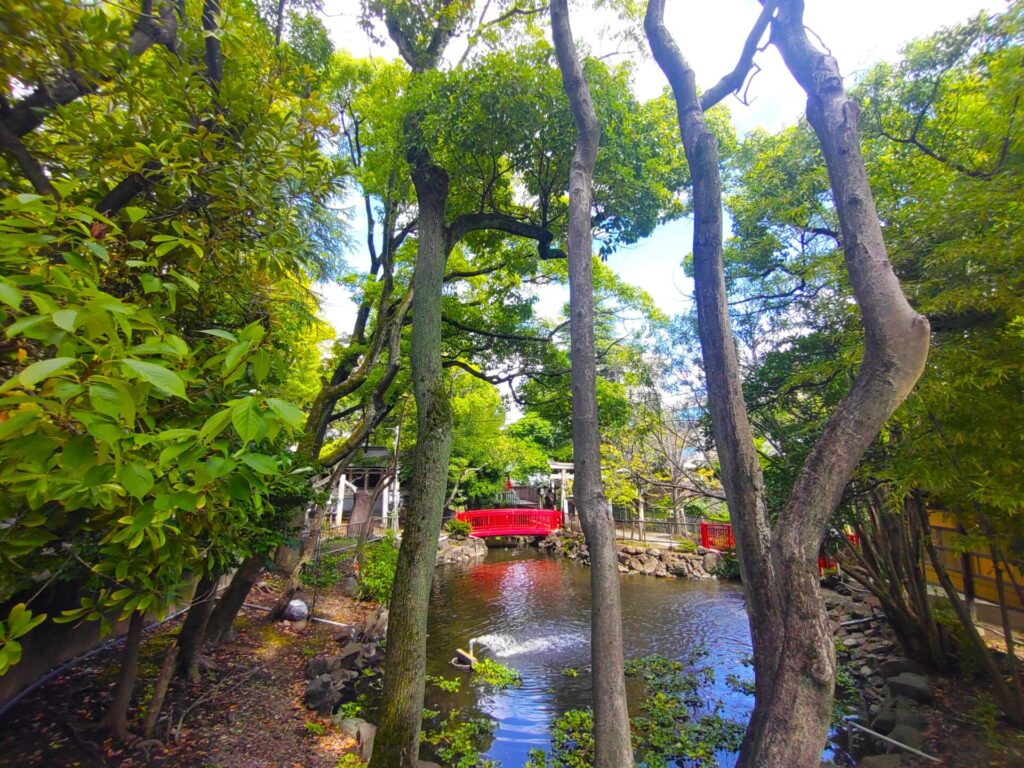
x=458 y=529
x=379 y=560
x=729 y=566
x=686 y=544
x=323 y=572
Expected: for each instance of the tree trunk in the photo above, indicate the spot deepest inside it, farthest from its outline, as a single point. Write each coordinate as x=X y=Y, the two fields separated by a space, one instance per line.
x=218 y=627
x=398 y=734
x=793 y=653
x=193 y=630
x=612 y=746
x=116 y=719
x=160 y=691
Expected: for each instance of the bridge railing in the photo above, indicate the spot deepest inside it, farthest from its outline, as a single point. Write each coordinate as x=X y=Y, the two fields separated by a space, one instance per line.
x=485 y=520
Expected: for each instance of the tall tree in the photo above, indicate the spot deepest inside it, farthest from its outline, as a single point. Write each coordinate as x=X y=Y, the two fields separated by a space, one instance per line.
x=612 y=747
x=793 y=654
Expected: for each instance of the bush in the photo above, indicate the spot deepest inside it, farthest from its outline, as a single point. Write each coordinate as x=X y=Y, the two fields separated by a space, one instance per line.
x=729 y=566
x=458 y=529
x=379 y=560
x=686 y=544
x=322 y=573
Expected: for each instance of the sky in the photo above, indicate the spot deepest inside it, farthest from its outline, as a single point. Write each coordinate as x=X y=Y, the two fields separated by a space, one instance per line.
x=710 y=34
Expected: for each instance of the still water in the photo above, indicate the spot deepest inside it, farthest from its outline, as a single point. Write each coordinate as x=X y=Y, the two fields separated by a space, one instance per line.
x=531 y=611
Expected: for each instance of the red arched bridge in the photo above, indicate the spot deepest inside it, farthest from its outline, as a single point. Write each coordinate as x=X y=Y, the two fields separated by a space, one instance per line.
x=511 y=522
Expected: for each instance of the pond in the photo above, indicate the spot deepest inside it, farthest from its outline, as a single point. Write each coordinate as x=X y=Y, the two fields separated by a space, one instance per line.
x=531 y=611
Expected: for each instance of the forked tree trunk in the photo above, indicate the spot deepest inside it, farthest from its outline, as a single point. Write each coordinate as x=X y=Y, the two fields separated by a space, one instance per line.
x=793 y=653
x=116 y=718
x=192 y=634
x=218 y=628
x=612 y=745
x=398 y=734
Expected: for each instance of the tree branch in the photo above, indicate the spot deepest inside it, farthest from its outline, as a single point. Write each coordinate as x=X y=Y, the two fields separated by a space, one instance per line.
x=472 y=222
x=732 y=82
x=29 y=113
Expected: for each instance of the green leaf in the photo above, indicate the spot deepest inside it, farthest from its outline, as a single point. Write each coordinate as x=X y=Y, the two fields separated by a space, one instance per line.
x=150 y=283
x=161 y=378
x=10 y=295
x=136 y=479
x=220 y=334
x=247 y=419
x=287 y=412
x=16 y=421
x=261 y=365
x=266 y=465
x=134 y=214
x=215 y=424
x=44 y=369
x=65 y=319
x=235 y=354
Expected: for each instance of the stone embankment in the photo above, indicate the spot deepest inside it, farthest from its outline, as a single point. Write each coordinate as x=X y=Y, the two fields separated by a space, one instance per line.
x=332 y=677
x=891 y=689
x=460 y=550
x=664 y=562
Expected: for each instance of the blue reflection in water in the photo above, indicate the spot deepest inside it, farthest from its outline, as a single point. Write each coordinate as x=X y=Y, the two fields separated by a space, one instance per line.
x=532 y=612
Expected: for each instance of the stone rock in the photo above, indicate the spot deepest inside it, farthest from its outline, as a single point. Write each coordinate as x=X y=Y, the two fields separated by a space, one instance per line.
x=342 y=677
x=894 y=667
x=315 y=668
x=648 y=564
x=320 y=695
x=349 y=726
x=912 y=686
x=376 y=624
x=904 y=734
x=915 y=720
x=881 y=761
x=297 y=610
x=344 y=635
x=365 y=737
x=884 y=721
x=351 y=657
x=711 y=561
x=350 y=586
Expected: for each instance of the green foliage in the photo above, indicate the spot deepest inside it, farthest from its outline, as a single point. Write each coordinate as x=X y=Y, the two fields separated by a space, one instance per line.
x=570 y=672
x=458 y=529
x=729 y=566
x=457 y=742
x=572 y=742
x=323 y=572
x=377 y=572
x=677 y=724
x=496 y=674
x=350 y=709
x=685 y=544
x=350 y=760
x=20 y=621
x=313 y=728
x=144 y=412
x=446 y=684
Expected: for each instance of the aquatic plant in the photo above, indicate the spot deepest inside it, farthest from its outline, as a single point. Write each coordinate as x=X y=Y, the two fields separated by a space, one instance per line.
x=458 y=742
x=496 y=674
x=678 y=724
